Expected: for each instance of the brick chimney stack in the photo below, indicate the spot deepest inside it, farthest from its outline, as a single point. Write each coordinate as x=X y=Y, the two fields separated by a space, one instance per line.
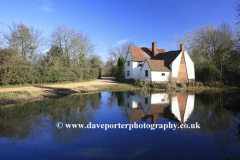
x=154 y=49
x=182 y=48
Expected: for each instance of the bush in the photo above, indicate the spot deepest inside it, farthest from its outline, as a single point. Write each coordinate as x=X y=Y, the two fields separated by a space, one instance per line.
x=208 y=72
x=32 y=75
x=171 y=86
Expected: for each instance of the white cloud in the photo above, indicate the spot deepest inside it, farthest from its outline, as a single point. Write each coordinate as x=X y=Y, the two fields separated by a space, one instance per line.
x=122 y=41
x=47 y=6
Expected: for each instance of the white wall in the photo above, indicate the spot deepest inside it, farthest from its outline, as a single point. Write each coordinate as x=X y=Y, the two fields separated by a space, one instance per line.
x=190 y=66
x=145 y=67
x=159 y=98
x=175 y=107
x=188 y=110
x=157 y=76
x=133 y=69
x=189 y=107
x=133 y=100
x=175 y=66
x=136 y=70
x=128 y=68
x=146 y=106
x=129 y=57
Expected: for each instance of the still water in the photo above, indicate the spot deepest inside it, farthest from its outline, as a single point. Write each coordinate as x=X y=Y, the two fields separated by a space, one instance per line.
x=29 y=131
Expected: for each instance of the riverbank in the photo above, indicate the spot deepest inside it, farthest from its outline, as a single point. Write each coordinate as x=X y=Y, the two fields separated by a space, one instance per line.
x=14 y=97
x=33 y=93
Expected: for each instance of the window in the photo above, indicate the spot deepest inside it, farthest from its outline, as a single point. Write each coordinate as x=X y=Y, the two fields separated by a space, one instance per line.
x=128 y=63
x=146 y=100
x=139 y=64
x=146 y=73
x=128 y=73
x=163 y=100
x=127 y=95
x=163 y=74
x=139 y=105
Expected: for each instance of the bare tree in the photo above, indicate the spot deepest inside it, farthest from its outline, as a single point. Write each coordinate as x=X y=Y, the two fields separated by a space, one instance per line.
x=114 y=52
x=238 y=10
x=25 y=41
x=83 y=50
x=73 y=43
x=1 y=36
x=188 y=39
x=119 y=51
x=37 y=42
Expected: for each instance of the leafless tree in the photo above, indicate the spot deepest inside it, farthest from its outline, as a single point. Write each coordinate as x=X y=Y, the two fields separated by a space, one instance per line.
x=72 y=42
x=114 y=52
x=119 y=51
x=25 y=41
x=1 y=36
x=188 y=39
x=83 y=50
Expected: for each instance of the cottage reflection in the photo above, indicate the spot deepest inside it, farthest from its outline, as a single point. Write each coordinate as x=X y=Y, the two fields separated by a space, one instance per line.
x=182 y=106
x=141 y=107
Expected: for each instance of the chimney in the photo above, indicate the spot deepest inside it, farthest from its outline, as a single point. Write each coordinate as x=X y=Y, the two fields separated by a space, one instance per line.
x=154 y=49
x=182 y=48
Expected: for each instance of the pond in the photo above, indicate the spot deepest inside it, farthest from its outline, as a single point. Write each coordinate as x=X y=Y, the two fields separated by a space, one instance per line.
x=124 y=125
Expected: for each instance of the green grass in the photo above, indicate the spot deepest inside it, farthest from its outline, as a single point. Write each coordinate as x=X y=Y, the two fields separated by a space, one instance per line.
x=14 y=94
x=41 y=84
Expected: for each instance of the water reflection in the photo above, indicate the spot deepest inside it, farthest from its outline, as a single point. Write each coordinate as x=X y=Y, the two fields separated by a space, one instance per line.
x=30 y=120
x=177 y=107
x=25 y=125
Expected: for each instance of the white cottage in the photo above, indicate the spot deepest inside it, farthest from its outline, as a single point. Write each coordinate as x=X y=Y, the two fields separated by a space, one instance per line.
x=158 y=66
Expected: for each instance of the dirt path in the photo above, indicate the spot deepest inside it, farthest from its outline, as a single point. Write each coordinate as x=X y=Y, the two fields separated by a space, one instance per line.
x=72 y=86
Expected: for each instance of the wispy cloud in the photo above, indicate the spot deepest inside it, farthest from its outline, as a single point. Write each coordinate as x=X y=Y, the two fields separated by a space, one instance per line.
x=48 y=6
x=122 y=41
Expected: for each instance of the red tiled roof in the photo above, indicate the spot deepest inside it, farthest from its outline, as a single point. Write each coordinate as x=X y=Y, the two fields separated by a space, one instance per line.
x=157 y=65
x=137 y=114
x=142 y=53
x=156 y=109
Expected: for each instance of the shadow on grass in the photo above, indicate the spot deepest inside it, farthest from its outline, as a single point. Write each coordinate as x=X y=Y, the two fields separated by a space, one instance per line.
x=58 y=91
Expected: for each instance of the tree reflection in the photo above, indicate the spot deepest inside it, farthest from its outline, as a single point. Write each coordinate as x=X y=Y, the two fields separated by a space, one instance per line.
x=31 y=119
x=216 y=121
x=116 y=96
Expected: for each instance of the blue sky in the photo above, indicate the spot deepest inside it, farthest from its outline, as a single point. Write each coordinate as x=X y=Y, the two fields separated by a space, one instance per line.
x=110 y=22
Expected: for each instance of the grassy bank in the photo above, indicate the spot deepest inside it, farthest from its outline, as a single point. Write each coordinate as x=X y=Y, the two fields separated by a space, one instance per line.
x=24 y=96
x=14 y=97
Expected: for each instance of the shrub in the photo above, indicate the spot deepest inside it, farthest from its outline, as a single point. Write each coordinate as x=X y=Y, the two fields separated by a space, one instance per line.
x=31 y=74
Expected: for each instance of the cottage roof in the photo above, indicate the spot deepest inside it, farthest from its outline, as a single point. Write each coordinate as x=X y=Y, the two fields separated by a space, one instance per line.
x=137 y=114
x=168 y=57
x=157 y=65
x=142 y=53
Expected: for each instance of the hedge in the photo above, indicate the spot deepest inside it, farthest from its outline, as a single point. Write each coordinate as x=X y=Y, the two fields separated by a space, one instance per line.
x=37 y=75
